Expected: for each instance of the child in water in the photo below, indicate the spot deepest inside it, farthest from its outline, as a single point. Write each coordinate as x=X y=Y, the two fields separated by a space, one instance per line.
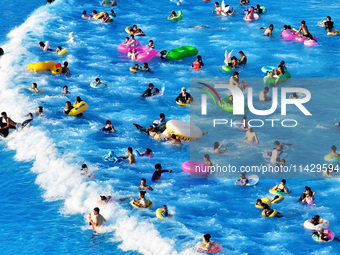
x=42 y=46
x=141 y=201
x=198 y=63
x=135 y=68
x=172 y=15
x=148 y=153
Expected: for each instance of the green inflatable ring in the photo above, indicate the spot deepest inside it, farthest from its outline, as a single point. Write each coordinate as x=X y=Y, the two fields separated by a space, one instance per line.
x=182 y=52
x=283 y=78
x=178 y=17
x=228 y=107
x=228 y=69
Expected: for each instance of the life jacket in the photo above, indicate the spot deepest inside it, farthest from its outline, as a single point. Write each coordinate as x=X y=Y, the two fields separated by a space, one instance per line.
x=196 y=65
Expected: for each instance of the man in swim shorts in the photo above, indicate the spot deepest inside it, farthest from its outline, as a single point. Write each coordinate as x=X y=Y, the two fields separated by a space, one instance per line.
x=251 y=136
x=303 y=29
x=130 y=156
x=9 y=122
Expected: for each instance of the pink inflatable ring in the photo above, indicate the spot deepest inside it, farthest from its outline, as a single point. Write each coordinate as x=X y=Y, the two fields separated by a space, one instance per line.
x=195 y=167
x=125 y=49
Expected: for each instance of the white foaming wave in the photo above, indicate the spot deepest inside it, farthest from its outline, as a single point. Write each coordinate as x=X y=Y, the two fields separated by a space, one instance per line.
x=56 y=173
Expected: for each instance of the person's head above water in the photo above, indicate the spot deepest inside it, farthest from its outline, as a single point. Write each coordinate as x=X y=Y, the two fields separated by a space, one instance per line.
x=271 y=26
x=66 y=64
x=303 y=22
x=258 y=201
x=283 y=181
x=96 y=210
x=68 y=104
x=97 y=80
x=162 y=116
x=40 y=109
x=151 y=86
x=266 y=89
x=142 y=181
x=334 y=148
x=148 y=150
x=173 y=13
x=329 y=18
x=184 y=89
x=4 y=114
x=173 y=136
x=199 y=57
x=206 y=238
x=84 y=12
x=129 y=150
x=94 y=12
x=216 y=144
x=243 y=175
x=78 y=99
x=206 y=157
x=156 y=90
x=41 y=44
x=1 y=52
x=34 y=85
x=235 y=74
x=158 y=166
x=217 y=4
x=83 y=166
x=108 y=122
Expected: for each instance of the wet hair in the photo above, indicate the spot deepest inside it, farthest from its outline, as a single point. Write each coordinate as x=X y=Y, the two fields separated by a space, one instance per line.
x=108 y=122
x=94 y=11
x=158 y=166
x=216 y=144
x=244 y=117
x=207 y=156
x=258 y=200
x=40 y=108
x=151 y=85
x=303 y=22
x=4 y=113
x=151 y=41
x=162 y=115
x=294 y=94
x=235 y=73
x=199 y=57
x=271 y=25
x=217 y=3
x=134 y=26
x=84 y=12
x=283 y=160
x=243 y=174
x=283 y=181
x=142 y=193
x=103 y=198
x=289 y=27
x=173 y=136
x=83 y=166
x=266 y=88
x=129 y=149
x=112 y=11
x=143 y=179
x=68 y=102
x=59 y=47
x=150 y=128
x=132 y=36
x=156 y=90
x=329 y=17
x=97 y=79
x=78 y=99
x=307 y=188
x=333 y=148
x=146 y=64
x=257 y=5
x=276 y=143
x=148 y=150
x=173 y=12
x=285 y=27
x=96 y=209
x=136 y=65
x=42 y=44
x=316 y=217
x=65 y=86
x=282 y=63
x=34 y=84
x=241 y=52
x=265 y=206
x=1 y=52
x=207 y=237
x=65 y=63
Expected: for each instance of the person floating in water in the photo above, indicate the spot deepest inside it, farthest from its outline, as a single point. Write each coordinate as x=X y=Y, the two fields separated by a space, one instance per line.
x=206 y=158
x=68 y=108
x=147 y=153
x=65 y=91
x=108 y=127
x=235 y=80
x=243 y=59
x=175 y=140
x=281 y=187
x=319 y=233
x=172 y=15
x=9 y=122
x=143 y=185
x=198 y=63
x=151 y=45
x=217 y=147
x=135 y=68
x=141 y=201
x=218 y=8
x=206 y=244
x=268 y=30
x=263 y=95
x=334 y=153
x=98 y=219
x=148 y=91
x=243 y=181
x=184 y=97
x=106 y=18
x=35 y=87
x=110 y=199
x=329 y=24
x=130 y=156
x=65 y=68
x=251 y=136
x=158 y=172
x=303 y=29
x=42 y=46
x=99 y=82
x=268 y=211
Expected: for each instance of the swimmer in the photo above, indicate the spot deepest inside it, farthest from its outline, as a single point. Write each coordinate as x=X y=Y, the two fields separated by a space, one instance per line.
x=135 y=68
x=108 y=127
x=268 y=211
x=206 y=158
x=143 y=185
x=308 y=191
x=42 y=46
x=244 y=180
x=243 y=59
x=163 y=54
x=132 y=54
x=106 y=18
x=86 y=16
x=263 y=95
x=2 y=52
x=233 y=62
x=175 y=140
x=141 y=201
x=244 y=123
x=158 y=172
x=130 y=156
x=112 y=14
x=268 y=30
x=303 y=29
x=272 y=75
x=84 y=171
x=172 y=15
x=94 y=13
x=58 y=49
x=162 y=118
x=235 y=80
x=316 y=220
x=151 y=45
x=98 y=220
x=198 y=63
x=258 y=9
x=156 y=92
x=9 y=122
x=65 y=69
x=199 y=26
x=35 y=87
x=68 y=108
x=275 y=155
x=250 y=14
x=148 y=91
x=334 y=153
x=329 y=26
x=148 y=153
x=294 y=95
x=319 y=233
x=230 y=101
x=145 y=67
x=78 y=101
x=218 y=8
x=206 y=244
x=184 y=97
x=217 y=147
x=109 y=199
x=165 y=212
x=251 y=136
x=243 y=2
x=281 y=187
x=65 y=91
x=99 y=82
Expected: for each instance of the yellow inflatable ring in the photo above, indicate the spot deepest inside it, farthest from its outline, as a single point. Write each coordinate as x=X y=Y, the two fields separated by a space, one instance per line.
x=279 y=199
x=185 y=131
x=78 y=109
x=148 y=204
x=264 y=200
x=272 y=215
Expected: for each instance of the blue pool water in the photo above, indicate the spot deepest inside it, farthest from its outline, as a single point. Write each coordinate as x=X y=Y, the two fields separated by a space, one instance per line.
x=48 y=201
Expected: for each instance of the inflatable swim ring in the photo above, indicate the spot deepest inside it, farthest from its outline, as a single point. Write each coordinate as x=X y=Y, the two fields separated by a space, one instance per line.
x=184 y=130
x=78 y=109
x=145 y=53
x=309 y=225
x=272 y=215
x=39 y=90
x=148 y=204
x=330 y=235
x=214 y=247
x=134 y=70
x=310 y=43
x=264 y=9
x=331 y=34
x=228 y=69
x=195 y=167
x=266 y=69
x=252 y=180
x=178 y=17
x=128 y=30
x=99 y=16
x=62 y=52
x=282 y=78
x=99 y=86
x=182 y=52
x=264 y=200
x=125 y=49
x=113 y=157
x=273 y=191
x=277 y=200
x=159 y=213
x=41 y=66
x=256 y=17
x=86 y=16
x=331 y=158
x=47 y=44
x=191 y=102
x=227 y=106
